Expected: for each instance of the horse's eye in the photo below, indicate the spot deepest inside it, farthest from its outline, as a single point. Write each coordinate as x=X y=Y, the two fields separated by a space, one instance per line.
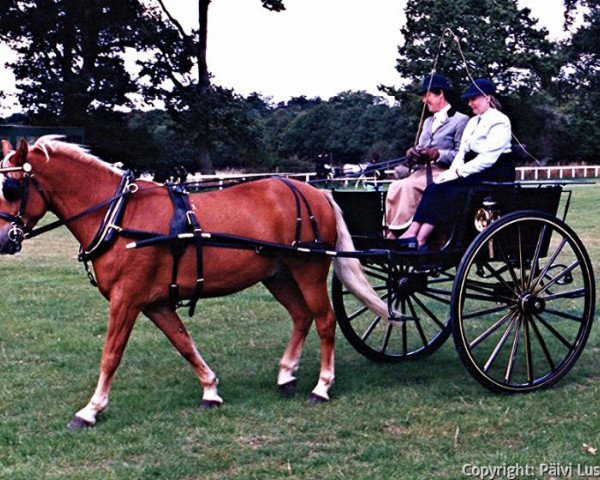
x=12 y=190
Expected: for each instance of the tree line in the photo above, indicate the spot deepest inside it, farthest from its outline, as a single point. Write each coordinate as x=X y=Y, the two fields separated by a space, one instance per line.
x=70 y=70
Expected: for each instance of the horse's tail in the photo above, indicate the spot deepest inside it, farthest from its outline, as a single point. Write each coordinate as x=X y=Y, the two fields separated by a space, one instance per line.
x=349 y=270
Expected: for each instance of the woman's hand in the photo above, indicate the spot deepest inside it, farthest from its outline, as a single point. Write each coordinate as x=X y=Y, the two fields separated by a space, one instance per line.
x=450 y=174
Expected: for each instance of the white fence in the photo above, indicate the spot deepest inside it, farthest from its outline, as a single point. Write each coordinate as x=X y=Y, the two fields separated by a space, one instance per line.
x=553 y=173
x=522 y=173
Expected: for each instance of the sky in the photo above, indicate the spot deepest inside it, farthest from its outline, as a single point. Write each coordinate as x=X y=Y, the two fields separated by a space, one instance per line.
x=313 y=48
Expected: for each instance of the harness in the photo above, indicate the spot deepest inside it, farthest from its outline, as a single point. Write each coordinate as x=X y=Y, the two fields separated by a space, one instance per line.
x=184 y=229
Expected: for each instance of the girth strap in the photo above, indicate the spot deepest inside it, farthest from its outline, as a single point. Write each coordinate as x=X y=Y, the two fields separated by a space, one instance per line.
x=184 y=220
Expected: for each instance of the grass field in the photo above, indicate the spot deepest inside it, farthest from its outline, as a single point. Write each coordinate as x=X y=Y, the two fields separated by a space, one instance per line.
x=421 y=420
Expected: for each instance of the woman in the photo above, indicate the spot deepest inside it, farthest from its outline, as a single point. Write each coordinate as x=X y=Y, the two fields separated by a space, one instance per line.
x=484 y=155
x=438 y=143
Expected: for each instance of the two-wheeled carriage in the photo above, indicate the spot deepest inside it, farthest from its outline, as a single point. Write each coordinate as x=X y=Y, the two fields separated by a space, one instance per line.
x=510 y=281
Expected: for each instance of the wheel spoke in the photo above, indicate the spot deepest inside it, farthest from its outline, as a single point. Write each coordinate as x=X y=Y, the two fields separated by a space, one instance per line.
x=549 y=263
x=357 y=313
x=499 y=277
x=521 y=262
x=481 y=313
x=572 y=294
x=566 y=315
x=490 y=330
x=417 y=323
x=542 y=343
x=536 y=256
x=429 y=313
x=369 y=330
x=513 y=351
x=386 y=340
x=405 y=338
x=555 y=332
x=508 y=263
x=555 y=279
x=428 y=293
x=499 y=345
x=528 y=357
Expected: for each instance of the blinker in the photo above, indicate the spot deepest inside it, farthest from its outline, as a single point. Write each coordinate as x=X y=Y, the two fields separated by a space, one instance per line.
x=12 y=189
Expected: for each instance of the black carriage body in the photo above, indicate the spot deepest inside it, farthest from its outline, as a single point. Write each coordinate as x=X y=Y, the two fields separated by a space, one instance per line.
x=508 y=279
x=364 y=213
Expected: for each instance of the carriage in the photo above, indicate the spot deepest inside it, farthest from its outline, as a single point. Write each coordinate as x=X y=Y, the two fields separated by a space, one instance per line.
x=510 y=280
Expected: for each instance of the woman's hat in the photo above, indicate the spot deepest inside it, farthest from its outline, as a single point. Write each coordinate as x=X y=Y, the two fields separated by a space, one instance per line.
x=481 y=86
x=434 y=82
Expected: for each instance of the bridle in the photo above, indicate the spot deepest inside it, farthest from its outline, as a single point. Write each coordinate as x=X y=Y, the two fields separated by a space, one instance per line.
x=19 y=189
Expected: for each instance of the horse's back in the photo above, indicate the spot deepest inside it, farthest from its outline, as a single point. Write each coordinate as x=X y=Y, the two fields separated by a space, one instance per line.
x=266 y=210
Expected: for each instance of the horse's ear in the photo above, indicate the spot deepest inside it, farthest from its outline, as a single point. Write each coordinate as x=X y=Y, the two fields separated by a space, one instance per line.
x=6 y=148
x=21 y=154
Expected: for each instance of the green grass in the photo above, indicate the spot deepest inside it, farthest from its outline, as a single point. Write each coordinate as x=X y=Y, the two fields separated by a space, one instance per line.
x=419 y=420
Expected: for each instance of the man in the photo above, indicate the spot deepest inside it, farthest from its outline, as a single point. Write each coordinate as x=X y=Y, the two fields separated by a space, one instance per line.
x=438 y=144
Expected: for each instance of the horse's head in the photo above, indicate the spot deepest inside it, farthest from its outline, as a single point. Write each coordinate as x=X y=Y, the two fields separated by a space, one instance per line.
x=21 y=206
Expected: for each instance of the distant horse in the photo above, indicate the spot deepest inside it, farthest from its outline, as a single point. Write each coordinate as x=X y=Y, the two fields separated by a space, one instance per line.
x=82 y=191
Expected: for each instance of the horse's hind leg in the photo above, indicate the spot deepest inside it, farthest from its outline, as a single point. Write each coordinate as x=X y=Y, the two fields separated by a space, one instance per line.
x=171 y=325
x=283 y=287
x=311 y=279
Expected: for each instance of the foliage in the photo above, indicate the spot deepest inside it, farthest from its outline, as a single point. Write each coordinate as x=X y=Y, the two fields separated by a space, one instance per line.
x=498 y=40
x=70 y=71
x=578 y=88
x=501 y=41
x=194 y=103
x=70 y=59
x=348 y=128
x=418 y=420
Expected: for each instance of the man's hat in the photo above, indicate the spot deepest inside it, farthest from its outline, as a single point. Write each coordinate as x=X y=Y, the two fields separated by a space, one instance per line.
x=434 y=82
x=481 y=86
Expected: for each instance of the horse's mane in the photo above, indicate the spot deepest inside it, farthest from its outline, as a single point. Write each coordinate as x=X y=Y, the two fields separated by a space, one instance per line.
x=53 y=144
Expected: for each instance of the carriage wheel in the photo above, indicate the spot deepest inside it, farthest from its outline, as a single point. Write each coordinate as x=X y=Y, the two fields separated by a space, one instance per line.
x=422 y=296
x=523 y=302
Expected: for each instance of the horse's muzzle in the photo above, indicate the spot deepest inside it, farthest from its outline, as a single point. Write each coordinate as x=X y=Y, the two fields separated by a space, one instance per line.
x=11 y=239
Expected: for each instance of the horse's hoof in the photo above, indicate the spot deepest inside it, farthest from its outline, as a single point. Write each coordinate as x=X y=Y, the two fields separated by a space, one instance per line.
x=78 y=423
x=288 y=389
x=314 y=399
x=208 y=404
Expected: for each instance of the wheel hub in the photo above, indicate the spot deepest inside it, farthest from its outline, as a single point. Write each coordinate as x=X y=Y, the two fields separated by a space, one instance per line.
x=407 y=285
x=530 y=303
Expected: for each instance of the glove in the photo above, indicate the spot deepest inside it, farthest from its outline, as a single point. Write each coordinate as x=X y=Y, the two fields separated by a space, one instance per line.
x=431 y=154
x=413 y=152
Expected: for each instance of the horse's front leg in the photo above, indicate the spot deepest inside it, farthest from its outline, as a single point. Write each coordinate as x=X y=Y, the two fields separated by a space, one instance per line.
x=122 y=316
x=165 y=318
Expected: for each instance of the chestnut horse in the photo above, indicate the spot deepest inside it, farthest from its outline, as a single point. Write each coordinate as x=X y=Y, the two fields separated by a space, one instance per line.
x=73 y=184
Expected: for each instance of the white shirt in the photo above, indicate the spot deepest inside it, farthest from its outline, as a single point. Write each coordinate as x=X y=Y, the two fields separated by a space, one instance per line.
x=488 y=135
x=440 y=117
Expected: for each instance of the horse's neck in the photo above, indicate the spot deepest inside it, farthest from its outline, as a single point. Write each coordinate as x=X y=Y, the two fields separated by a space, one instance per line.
x=74 y=190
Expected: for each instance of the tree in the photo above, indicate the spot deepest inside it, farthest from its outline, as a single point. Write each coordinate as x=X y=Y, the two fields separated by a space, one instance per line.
x=348 y=128
x=579 y=85
x=70 y=58
x=498 y=40
x=191 y=100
